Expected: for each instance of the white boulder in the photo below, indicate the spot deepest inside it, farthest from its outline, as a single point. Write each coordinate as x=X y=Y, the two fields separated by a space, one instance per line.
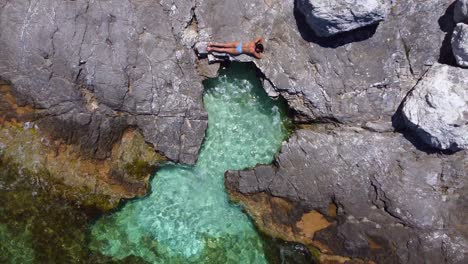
x=330 y=17
x=437 y=108
x=460 y=44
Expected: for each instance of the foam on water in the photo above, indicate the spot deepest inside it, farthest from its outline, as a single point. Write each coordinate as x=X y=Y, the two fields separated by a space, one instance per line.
x=188 y=217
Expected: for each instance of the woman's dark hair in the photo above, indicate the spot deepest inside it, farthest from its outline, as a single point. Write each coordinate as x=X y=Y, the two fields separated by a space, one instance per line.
x=259 y=47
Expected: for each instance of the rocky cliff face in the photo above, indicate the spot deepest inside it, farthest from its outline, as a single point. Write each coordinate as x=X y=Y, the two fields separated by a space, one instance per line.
x=95 y=68
x=355 y=77
x=359 y=183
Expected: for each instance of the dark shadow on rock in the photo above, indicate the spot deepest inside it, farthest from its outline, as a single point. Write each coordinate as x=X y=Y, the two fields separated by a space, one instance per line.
x=447 y=25
x=334 y=41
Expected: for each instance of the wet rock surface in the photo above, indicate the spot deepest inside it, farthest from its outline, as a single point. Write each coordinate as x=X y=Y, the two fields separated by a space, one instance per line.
x=394 y=203
x=437 y=108
x=460 y=44
x=327 y=18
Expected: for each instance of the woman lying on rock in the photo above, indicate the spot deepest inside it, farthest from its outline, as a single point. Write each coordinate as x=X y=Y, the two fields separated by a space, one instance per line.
x=252 y=48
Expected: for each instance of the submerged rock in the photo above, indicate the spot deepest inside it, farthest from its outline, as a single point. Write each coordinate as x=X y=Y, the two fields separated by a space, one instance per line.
x=461 y=11
x=328 y=18
x=366 y=195
x=460 y=44
x=437 y=108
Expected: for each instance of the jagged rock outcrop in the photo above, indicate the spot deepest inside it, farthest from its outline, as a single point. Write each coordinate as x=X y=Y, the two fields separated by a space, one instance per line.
x=460 y=44
x=437 y=108
x=357 y=77
x=352 y=78
x=461 y=11
x=393 y=203
x=328 y=18
x=95 y=68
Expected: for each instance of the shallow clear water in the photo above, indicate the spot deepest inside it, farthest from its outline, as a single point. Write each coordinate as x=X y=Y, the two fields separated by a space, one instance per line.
x=187 y=217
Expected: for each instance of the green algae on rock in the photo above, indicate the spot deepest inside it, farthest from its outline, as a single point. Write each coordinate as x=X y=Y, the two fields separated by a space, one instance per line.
x=98 y=184
x=188 y=217
x=38 y=223
x=50 y=192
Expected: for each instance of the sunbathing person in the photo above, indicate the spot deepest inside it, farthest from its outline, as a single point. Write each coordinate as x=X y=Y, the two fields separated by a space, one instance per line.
x=253 y=48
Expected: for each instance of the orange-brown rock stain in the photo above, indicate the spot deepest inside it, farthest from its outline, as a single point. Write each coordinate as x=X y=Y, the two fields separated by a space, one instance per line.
x=9 y=108
x=280 y=218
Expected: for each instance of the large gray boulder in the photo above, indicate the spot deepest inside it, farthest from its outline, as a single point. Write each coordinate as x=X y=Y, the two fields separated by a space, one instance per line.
x=437 y=108
x=412 y=204
x=460 y=13
x=330 y=17
x=95 y=68
x=460 y=44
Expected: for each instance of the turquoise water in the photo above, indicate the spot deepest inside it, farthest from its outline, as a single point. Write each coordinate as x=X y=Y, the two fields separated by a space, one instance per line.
x=188 y=217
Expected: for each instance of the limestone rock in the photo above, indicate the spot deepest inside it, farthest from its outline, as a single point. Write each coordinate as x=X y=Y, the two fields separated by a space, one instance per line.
x=113 y=66
x=388 y=201
x=461 y=11
x=330 y=17
x=460 y=44
x=354 y=78
x=437 y=108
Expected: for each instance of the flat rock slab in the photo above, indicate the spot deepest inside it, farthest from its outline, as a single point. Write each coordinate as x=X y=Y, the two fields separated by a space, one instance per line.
x=460 y=13
x=460 y=44
x=330 y=17
x=437 y=108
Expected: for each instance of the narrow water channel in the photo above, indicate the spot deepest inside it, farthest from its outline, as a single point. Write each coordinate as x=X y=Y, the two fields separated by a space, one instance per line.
x=187 y=217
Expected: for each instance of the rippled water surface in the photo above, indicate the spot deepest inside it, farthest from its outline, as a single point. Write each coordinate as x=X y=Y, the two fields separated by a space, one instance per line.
x=187 y=217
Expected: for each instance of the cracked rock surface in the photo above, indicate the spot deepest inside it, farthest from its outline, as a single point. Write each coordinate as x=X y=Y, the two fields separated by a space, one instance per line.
x=355 y=77
x=396 y=201
x=92 y=68
x=412 y=204
x=97 y=67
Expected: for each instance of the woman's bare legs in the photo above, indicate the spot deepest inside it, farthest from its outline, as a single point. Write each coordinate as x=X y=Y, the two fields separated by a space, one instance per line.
x=223 y=45
x=232 y=51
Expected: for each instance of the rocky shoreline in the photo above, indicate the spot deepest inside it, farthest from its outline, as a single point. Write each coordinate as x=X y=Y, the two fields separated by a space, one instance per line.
x=101 y=92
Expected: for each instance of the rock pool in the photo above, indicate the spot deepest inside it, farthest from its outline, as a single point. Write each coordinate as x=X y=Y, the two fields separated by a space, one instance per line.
x=187 y=217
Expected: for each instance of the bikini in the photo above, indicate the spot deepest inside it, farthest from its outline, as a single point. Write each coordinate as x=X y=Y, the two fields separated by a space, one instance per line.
x=239 y=47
